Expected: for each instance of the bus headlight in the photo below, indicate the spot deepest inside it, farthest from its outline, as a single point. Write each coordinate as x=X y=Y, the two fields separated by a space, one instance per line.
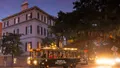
x=35 y=62
x=28 y=62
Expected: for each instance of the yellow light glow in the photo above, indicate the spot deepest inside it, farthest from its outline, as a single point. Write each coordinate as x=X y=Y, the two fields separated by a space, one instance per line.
x=28 y=62
x=117 y=60
x=15 y=60
x=105 y=61
x=35 y=62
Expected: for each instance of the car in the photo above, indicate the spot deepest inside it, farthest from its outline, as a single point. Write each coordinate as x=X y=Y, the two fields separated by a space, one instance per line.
x=83 y=61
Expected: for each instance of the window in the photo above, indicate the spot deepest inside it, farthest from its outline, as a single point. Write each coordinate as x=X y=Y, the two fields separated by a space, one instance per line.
x=28 y=46
x=6 y=24
x=52 y=22
x=3 y=34
x=41 y=31
x=29 y=29
x=45 y=19
x=38 y=29
x=44 y=32
x=41 y=17
x=29 y=16
x=48 y=22
x=16 y=31
x=16 y=20
x=38 y=45
x=38 y=15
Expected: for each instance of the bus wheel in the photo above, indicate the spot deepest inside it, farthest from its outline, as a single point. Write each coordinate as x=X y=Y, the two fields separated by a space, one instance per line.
x=43 y=67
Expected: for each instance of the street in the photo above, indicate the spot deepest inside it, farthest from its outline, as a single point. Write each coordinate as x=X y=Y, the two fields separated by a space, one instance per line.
x=92 y=65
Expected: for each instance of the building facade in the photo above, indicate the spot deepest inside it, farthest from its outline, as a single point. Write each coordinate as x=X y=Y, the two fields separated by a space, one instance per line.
x=32 y=23
x=0 y=29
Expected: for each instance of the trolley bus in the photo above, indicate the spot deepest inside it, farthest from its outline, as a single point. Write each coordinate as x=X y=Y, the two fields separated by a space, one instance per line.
x=53 y=57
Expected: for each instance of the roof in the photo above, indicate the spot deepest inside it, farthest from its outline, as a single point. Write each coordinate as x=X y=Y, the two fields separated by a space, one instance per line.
x=35 y=7
x=76 y=44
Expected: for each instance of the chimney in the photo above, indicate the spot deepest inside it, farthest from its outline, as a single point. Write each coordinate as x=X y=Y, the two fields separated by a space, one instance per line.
x=24 y=5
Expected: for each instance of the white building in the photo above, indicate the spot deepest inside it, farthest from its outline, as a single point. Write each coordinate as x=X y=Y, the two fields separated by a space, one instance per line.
x=31 y=22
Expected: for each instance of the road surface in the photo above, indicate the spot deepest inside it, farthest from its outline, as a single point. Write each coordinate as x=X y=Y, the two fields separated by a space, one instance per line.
x=93 y=65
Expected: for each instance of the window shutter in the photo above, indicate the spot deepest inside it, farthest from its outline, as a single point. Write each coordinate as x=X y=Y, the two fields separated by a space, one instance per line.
x=18 y=19
x=7 y=23
x=14 y=31
x=38 y=30
x=17 y=31
x=31 y=29
x=14 y=21
x=41 y=31
x=26 y=30
x=37 y=44
x=26 y=16
x=26 y=46
x=38 y=16
x=30 y=15
x=44 y=32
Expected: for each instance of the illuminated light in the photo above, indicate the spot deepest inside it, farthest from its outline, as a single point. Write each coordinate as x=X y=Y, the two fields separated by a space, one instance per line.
x=28 y=62
x=29 y=58
x=70 y=48
x=111 y=36
x=46 y=60
x=42 y=63
x=71 y=65
x=15 y=60
x=86 y=51
x=35 y=62
x=31 y=50
x=117 y=60
x=47 y=66
x=104 y=67
x=37 y=49
x=105 y=61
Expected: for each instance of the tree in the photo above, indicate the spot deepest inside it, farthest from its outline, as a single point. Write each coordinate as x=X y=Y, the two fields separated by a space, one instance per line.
x=47 y=41
x=11 y=45
x=89 y=20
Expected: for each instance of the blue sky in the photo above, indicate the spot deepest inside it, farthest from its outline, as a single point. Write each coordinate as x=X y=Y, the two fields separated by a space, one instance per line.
x=52 y=7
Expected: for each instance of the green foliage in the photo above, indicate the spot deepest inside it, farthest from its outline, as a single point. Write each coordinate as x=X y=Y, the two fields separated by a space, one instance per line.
x=47 y=41
x=11 y=44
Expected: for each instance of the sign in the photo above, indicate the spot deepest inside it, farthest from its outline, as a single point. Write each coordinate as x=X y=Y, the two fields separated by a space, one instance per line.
x=114 y=48
x=85 y=50
x=60 y=62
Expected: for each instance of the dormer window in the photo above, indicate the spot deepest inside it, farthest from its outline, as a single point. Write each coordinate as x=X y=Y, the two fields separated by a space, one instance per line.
x=16 y=20
x=29 y=16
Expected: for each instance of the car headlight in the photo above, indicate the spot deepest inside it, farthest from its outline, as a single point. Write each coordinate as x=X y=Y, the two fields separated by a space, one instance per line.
x=35 y=62
x=117 y=60
x=105 y=61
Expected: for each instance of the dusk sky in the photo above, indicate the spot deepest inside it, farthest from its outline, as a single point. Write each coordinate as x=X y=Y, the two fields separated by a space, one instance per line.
x=52 y=7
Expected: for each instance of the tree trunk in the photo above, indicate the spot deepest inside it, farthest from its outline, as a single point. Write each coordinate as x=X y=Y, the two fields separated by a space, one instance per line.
x=57 y=41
